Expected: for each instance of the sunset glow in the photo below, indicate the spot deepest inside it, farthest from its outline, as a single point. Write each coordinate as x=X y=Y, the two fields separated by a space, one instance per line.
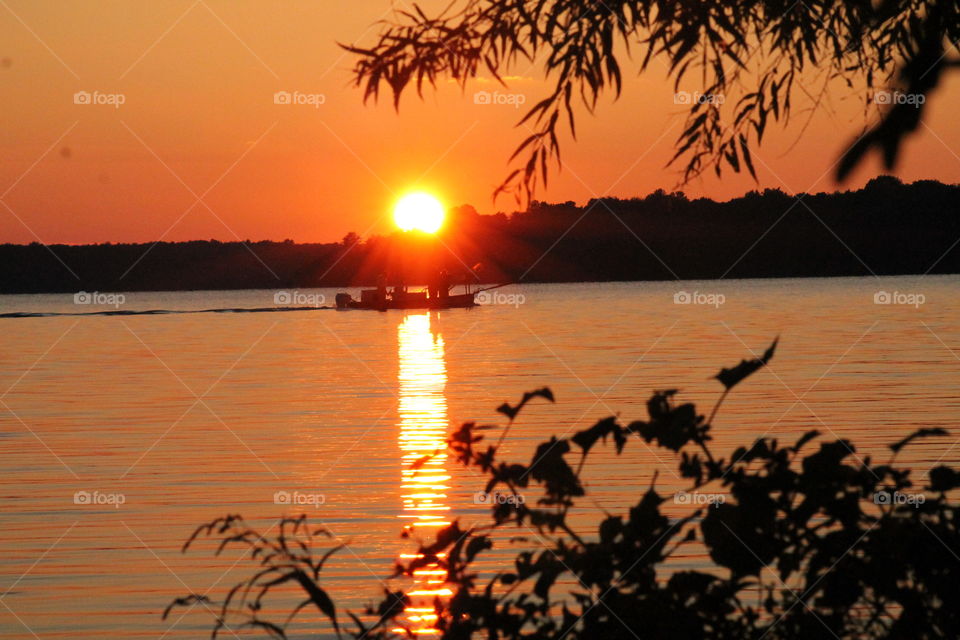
x=340 y=319
x=419 y=211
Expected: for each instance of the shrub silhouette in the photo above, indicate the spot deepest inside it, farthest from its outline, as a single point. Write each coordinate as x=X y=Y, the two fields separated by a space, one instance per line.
x=811 y=542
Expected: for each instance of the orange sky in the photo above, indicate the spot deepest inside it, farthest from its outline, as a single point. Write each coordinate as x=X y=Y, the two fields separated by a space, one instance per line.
x=199 y=121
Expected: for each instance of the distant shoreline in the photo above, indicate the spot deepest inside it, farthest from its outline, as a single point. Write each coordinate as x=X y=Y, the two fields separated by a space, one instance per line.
x=413 y=286
x=887 y=228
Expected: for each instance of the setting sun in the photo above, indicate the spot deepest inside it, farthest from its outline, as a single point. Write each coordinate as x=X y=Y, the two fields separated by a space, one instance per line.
x=420 y=211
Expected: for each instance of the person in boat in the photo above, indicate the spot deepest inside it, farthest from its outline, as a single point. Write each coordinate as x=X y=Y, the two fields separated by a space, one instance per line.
x=443 y=284
x=399 y=287
x=439 y=285
x=382 y=288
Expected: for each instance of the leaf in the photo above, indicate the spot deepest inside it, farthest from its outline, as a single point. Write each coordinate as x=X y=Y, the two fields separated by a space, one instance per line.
x=550 y=468
x=319 y=598
x=730 y=377
x=476 y=545
x=919 y=433
x=182 y=602
x=610 y=529
x=741 y=538
x=805 y=438
x=419 y=462
x=511 y=412
x=745 y=150
x=944 y=479
x=588 y=437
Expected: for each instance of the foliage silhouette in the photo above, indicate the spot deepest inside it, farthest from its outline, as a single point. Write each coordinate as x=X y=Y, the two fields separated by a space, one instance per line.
x=809 y=544
x=764 y=52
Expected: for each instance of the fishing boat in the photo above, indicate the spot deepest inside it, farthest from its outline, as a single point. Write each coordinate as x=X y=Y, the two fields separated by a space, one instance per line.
x=376 y=300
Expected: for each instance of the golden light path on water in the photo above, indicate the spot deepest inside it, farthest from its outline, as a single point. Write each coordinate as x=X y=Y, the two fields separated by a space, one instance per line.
x=423 y=432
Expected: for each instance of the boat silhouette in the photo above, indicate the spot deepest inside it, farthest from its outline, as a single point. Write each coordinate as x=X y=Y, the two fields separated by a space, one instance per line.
x=376 y=300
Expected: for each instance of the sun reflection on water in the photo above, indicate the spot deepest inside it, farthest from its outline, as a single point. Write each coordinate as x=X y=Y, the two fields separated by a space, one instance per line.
x=423 y=431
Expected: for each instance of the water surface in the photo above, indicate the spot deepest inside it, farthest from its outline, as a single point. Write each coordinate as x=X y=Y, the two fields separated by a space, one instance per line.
x=185 y=417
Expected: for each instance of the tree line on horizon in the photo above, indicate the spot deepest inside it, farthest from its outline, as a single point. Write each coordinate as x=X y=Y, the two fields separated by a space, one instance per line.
x=886 y=228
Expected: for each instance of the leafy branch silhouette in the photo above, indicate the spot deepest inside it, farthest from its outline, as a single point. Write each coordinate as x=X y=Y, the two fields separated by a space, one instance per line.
x=808 y=544
x=761 y=53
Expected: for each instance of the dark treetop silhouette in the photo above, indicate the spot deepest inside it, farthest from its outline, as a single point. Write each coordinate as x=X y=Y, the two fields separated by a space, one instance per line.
x=885 y=228
x=760 y=53
x=809 y=544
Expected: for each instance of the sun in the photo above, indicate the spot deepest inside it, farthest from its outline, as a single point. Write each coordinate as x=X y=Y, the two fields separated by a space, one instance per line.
x=420 y=211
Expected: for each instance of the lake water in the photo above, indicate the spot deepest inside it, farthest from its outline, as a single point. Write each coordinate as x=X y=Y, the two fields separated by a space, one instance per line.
x=163 y=422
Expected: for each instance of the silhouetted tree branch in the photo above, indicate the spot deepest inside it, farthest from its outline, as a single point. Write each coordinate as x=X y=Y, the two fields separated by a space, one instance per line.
x=795 y=542
x=762 y=51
